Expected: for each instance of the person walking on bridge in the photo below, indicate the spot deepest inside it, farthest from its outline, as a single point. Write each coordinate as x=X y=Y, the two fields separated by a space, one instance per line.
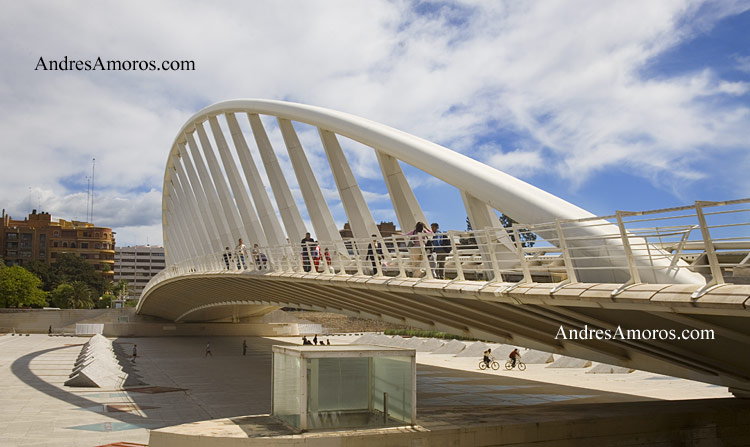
x=306 y=248
x=416 y=243
x=241 y=251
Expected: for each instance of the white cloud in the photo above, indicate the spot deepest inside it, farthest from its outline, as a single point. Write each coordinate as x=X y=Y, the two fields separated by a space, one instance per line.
x=565 y=84
x=518 y=162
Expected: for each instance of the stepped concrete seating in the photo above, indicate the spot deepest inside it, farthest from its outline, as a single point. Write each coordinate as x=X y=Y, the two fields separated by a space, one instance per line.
x=453 y=347
x=97 y=366
x=412 y=343
x=430 y=345
x=603 y=368
x=570 y=362
x=475 y=349
x=397 y=342
x=373 y=339
x=534 y=357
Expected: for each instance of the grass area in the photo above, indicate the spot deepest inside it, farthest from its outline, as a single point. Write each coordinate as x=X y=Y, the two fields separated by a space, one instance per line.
x=425 y=334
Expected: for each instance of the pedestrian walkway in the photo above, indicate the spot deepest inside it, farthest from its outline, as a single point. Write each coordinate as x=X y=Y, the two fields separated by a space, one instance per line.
x=175 y=384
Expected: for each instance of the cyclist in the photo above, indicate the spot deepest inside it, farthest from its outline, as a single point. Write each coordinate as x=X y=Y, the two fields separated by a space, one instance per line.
x=514 y=357
x=488 y=357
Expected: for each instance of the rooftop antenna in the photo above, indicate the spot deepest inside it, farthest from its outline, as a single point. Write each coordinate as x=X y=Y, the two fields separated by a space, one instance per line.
x=88 y=195
x=93 y=166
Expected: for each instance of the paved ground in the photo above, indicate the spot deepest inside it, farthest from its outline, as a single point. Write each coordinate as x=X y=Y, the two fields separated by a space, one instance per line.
x=181 y=385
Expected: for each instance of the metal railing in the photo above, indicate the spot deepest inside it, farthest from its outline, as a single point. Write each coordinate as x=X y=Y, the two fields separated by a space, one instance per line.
x=709 y=242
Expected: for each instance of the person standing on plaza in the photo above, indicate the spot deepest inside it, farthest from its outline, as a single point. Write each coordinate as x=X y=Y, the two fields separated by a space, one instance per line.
x=315 y=339
x=306 y=248
x=244 y=347
x=135 y=353
x=208 y=350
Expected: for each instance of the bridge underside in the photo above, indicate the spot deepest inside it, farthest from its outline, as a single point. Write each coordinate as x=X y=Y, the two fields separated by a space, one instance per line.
x=530 y=315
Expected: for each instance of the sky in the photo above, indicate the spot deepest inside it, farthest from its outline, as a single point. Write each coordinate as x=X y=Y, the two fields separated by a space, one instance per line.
x=622 y=105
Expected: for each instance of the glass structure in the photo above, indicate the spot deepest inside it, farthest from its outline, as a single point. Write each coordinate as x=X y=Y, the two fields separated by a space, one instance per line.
x=352 y=386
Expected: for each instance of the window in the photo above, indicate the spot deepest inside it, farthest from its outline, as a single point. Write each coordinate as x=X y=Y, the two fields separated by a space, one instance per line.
x=55 y=233
x=65 y=245
x=54 y=244
x=72 y=245
x=12 y=236
x=97 y=246
x=96 y=234
x=53 y=255
x=84 y=245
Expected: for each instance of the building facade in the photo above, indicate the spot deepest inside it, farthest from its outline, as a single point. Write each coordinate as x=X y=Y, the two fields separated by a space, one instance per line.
x=386 y=229
x=40 y=238
x=137 y=265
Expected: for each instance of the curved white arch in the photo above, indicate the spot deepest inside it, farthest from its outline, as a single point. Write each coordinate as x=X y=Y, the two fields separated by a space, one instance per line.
x=481 y=186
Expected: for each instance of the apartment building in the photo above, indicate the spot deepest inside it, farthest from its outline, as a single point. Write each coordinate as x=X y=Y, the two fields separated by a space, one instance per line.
x=137 y=265
x=39 y=237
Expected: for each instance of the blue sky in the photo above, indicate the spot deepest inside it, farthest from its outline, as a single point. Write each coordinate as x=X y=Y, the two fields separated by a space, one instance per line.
x=609 y=105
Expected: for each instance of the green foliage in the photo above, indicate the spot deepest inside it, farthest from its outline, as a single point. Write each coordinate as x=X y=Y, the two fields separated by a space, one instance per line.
x=425 y=334
x=62 y=296
x=105 y=301
x=19 y=287
x=121 y=289
x=82 y=295
x=70 y=268
x=44 y=272
x=528 y=239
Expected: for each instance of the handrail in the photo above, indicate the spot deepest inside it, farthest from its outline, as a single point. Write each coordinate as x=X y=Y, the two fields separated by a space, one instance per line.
x=720 y=246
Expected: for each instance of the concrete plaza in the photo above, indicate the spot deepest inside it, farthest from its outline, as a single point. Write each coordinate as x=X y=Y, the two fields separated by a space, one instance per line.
x=174 y=383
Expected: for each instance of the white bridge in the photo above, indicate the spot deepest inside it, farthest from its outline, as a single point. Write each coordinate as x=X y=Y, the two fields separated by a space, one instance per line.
x=669 y=286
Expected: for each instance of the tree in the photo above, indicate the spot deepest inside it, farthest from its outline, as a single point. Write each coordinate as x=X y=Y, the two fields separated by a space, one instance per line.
x=104 y=301
x=19 y=287
x=82 y=295
x=44 y=272
x=62 y=296
x=121 y=289
x=527 y=237
x=69 y=268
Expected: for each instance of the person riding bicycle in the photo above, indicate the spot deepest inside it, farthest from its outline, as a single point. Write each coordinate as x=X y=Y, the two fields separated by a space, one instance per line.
x=514 y=357
x=487 y=357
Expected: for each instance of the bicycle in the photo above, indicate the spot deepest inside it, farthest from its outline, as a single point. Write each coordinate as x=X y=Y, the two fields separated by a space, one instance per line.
x=509 y=365
x=493 y=364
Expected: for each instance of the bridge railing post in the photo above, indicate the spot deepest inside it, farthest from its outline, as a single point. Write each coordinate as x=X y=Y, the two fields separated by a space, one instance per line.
x=515 y=229
x=491 y=235
x=717 y=277
x=635 y=275
x=569 y=269
x=423 y=238
x=456 y=258
x=708 y=244
x=399 y=261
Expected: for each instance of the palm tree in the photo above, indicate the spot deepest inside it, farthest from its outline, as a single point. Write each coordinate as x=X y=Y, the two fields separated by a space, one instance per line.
x=82 y=293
